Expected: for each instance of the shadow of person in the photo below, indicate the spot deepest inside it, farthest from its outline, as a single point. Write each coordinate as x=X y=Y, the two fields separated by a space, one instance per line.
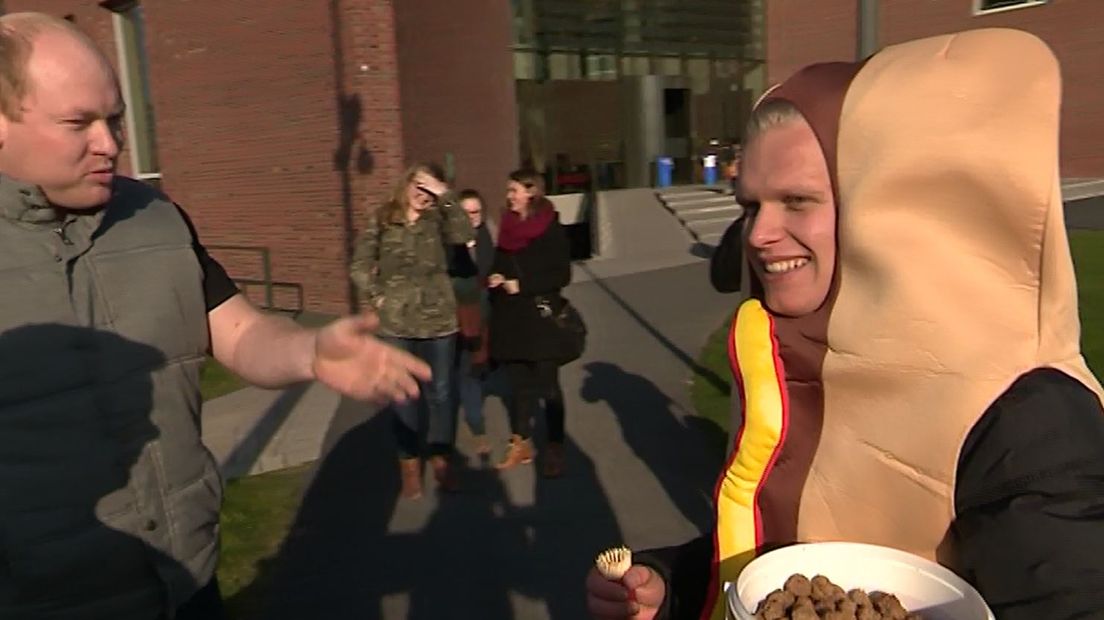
x=354 y=551
x=326 y=567
x=684 y=453
x=570 y=522
x=76 y=415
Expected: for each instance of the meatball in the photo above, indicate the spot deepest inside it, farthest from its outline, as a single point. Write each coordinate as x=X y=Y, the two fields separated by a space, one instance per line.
x=799 y=585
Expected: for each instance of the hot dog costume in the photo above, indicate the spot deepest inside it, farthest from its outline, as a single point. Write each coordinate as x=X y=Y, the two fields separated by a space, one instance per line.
x=938 y=401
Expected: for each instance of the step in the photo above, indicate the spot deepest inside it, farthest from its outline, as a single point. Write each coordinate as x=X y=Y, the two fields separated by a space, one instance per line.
x=692 y=197
x=726 y=202
x=682 y=196
x=714 y=211
x=711 y=215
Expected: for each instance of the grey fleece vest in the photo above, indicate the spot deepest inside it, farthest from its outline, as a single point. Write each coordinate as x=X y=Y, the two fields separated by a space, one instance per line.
x=108 y=500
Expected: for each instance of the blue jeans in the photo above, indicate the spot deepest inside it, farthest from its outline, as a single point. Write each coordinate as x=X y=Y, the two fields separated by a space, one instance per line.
x=440 y=435
x=469 y=392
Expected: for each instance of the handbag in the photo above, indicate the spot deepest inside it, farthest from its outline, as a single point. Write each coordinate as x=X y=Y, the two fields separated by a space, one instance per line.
x=568 y=322
x=565 y=320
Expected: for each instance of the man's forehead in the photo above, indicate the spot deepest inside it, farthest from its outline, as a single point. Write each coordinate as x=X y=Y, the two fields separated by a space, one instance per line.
x=65 y=76
x=784 y=157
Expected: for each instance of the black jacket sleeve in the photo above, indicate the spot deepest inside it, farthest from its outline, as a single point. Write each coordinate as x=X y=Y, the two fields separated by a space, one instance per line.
x=685 y=569
x=484 y=251
x=217 y=285
x=1030 y=501
x=726 y=264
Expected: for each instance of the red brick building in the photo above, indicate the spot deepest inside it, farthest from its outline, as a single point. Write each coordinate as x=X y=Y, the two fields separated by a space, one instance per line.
x=800 y=32
x=276 y=125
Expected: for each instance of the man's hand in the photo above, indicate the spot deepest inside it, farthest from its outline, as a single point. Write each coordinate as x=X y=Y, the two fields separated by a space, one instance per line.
x=638 y=596
x=351 y=360
x=431 y=184
x=512 y=287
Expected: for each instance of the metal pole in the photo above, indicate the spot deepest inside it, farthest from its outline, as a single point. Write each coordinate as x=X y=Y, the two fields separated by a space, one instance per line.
x=868 y=28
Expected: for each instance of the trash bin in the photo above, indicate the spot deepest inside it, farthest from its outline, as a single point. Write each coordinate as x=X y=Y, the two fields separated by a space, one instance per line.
x=709 y=167
x=665 y=166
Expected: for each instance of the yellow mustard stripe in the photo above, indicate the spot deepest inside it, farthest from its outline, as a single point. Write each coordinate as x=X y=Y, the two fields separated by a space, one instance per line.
x=762 y=431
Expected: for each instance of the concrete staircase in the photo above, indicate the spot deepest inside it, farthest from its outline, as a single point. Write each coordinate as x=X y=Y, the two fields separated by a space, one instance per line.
x=705 y=212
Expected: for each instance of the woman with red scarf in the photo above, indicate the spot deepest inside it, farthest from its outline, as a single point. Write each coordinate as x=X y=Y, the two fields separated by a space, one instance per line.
x=531 y=266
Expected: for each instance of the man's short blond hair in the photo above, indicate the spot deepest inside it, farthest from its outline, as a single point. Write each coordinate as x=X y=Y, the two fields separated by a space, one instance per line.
x=17 y=35
x=768 y=114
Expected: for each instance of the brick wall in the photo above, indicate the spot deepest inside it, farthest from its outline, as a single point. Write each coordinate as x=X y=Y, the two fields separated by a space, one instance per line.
x=457 y=89
x=800 y=33
x=277 y=123
x=263 y=116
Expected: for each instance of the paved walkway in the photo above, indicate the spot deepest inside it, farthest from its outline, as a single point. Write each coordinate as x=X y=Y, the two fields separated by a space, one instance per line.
x=514 y=545
x=641 y=467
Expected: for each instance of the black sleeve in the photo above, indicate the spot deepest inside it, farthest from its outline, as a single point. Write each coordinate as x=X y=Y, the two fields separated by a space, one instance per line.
x=484 y=251
x=217 y=285
x=685 y=569
x=1030 y=501
x=460 y=263
x=726 y=264
x=546 y=264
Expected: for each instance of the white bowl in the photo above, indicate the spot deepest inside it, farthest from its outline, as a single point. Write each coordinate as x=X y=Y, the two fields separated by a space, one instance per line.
x=922 y=586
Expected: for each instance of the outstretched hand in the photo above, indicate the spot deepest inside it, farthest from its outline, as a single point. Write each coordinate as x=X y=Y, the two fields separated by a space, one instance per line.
x=638 y=596
x=350 y=359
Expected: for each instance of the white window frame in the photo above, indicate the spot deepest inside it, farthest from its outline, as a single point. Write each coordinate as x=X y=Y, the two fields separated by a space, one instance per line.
x=134 y=144
x=1025 y=4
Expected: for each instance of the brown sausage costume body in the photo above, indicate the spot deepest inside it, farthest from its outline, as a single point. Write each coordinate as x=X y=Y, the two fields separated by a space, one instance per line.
x=953 y=282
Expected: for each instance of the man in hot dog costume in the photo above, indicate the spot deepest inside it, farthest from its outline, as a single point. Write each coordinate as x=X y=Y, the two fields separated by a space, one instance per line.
x=909 y=367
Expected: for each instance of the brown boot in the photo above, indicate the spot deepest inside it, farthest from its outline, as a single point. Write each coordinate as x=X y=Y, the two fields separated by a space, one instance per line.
x=482 y=446
x=411 y=472
x=443 y=472
x=520 y=452
x=553 y=460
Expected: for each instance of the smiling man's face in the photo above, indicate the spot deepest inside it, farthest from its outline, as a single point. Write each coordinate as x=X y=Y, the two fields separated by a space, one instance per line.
x=790 y=237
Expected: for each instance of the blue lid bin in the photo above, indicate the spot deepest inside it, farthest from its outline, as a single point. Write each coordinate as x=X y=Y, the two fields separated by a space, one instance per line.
x=709 y=169
x=665 y=167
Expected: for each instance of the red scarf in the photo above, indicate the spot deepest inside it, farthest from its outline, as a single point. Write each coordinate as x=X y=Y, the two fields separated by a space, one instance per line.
x=515 y=233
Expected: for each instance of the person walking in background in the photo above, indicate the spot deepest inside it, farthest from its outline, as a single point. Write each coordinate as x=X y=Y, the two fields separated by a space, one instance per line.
x=400 y=269
x=469 y=267
x=531 y=267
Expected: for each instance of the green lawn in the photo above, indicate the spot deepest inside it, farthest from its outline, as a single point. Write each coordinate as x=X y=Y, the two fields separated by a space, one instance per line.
x=215 y=380
x=1088 y=257
x=256 y=515
x=1088 y=260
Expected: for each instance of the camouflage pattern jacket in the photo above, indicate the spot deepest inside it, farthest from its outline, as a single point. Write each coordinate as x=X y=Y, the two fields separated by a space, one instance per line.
x=401 y=270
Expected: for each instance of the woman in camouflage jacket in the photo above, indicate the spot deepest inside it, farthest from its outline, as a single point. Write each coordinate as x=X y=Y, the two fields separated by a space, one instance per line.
x=400 y=269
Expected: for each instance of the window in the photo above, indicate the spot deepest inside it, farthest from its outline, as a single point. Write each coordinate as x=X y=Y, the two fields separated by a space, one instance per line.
x=993 y=6
x=130 y=42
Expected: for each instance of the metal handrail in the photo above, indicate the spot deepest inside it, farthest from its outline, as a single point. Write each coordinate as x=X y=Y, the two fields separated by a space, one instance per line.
x=266 y=268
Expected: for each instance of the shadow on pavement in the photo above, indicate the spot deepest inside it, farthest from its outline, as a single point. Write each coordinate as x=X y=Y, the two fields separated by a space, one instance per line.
x=510 y=545
x=653 y=430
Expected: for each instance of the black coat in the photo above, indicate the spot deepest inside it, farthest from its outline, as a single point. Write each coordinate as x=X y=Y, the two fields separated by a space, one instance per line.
x=1029 y=504
x=542 y=269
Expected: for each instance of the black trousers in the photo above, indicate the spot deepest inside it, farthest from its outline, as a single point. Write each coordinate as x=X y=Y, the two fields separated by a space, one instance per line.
x=531 y=383
x=206 y=604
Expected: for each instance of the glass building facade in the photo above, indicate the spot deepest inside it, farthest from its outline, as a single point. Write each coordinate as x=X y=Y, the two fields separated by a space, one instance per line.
x=605 y=87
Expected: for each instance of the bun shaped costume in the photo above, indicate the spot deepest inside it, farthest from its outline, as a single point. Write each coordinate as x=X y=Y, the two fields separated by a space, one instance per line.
x=937 y=402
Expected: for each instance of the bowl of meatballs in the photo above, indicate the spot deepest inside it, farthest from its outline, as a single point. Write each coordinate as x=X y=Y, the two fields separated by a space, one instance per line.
x=850 y=581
